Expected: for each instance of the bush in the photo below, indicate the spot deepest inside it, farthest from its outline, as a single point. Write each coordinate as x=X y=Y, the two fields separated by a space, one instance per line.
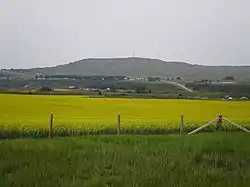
x=229 y=78
x=45 y=89
x=140 y=89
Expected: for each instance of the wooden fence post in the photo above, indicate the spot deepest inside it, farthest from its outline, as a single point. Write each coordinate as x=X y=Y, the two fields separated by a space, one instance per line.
x=50 y=126
x=219 y=123
x=182 y=125
x=118 y=124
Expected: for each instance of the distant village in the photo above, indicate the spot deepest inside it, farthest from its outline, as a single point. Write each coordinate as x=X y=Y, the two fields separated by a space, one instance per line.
x=102 y=78
x=39 y=76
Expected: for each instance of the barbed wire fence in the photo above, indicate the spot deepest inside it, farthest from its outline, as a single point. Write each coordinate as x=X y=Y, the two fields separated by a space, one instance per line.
x=119 y=125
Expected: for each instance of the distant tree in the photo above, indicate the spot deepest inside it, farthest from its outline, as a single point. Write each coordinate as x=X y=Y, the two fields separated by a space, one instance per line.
x=180 y=94
x=112 y=88
x=45 y=89
x=151 y=79
x=229 y=78
x=158 y=79
x=178 y=78
x=140 y=89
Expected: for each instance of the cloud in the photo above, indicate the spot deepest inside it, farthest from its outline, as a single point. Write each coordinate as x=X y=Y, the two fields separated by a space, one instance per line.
x=45 y=33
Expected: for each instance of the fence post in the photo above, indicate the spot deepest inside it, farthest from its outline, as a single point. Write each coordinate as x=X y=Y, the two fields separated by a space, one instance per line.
x=219 y=122
x=50 y=126
x=182 y=125
x=118 y=124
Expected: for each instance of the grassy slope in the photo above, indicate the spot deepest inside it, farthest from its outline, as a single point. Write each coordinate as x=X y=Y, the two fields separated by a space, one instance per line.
x=145 y=67
x=201 y=160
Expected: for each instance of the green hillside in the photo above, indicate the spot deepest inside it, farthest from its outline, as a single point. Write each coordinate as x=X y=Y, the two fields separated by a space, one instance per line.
x=143 y=67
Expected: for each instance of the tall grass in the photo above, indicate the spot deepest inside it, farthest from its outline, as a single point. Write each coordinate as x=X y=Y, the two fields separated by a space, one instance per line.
x=218 y=159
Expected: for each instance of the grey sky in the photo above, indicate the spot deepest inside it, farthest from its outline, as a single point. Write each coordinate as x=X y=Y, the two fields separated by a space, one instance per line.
x=49 y=32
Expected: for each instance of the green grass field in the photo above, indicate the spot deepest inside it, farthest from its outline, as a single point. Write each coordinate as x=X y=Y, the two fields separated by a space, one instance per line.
x=23 y=115
x=203 y=160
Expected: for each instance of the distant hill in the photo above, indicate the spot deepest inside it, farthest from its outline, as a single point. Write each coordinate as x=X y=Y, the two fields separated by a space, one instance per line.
x=143 y=67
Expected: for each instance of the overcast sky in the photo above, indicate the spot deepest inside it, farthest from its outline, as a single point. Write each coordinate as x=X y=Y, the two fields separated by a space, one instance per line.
x=37 y=33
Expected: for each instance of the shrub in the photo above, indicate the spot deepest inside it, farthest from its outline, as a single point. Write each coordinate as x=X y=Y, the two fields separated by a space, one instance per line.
x=45 y=89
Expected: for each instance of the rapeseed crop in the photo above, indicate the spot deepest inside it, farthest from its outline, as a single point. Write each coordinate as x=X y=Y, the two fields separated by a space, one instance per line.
x=28 y=115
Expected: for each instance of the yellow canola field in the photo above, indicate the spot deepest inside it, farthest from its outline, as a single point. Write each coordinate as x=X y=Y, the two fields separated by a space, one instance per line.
x=20 y=111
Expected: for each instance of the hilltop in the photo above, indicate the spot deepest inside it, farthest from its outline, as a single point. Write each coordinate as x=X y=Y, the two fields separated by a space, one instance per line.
x=141 y=67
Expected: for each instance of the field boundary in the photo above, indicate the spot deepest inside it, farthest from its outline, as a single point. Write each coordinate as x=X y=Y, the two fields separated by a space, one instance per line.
x=54 y=131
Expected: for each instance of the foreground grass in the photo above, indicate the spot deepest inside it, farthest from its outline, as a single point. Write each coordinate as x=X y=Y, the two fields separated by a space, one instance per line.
x=215 y=159
x=28 y=115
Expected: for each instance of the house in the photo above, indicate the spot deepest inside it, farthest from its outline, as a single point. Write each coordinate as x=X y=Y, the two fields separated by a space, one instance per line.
x=72 y=87
x=27 y=86
x=227 y=97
